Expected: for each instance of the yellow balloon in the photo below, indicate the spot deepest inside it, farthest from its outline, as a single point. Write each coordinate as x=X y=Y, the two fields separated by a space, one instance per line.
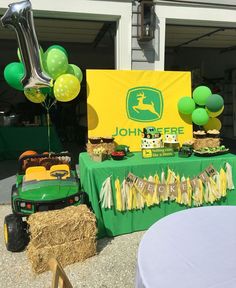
x=93 y=117
x=215 y=114
x=213 y=123
x=34 y=95
x=66 y=87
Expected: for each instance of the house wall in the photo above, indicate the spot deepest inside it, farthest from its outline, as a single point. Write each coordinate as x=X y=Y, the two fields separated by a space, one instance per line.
x=119 y=11
x=215 y=70
x=151 y=55
x=181 y=12
x=210 y=61
x=217 y=2
x=84 y=56
x=143 y=53
x=130 y=53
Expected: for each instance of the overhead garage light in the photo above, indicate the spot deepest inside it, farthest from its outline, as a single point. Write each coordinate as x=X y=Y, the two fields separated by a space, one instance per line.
x=146 y=20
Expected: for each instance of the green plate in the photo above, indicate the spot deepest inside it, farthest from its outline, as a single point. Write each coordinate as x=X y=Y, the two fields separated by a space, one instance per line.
x=209 y=154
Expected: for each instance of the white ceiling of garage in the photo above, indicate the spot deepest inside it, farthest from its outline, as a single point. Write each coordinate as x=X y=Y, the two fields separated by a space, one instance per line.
x=94 y=32
x=197 y=36
x=59 y=30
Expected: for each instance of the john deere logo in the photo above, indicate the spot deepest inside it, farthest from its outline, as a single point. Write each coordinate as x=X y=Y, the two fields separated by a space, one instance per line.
x=144 y=104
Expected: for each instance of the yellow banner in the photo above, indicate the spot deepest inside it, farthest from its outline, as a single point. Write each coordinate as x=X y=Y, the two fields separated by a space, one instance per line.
x=122 y=103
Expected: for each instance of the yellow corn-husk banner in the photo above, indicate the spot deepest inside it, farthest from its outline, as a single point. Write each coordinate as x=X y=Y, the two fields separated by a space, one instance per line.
x=137 y=193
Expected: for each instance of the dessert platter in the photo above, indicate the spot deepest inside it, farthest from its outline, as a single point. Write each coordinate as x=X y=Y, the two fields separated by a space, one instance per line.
x=208 y=143
x=207 y=151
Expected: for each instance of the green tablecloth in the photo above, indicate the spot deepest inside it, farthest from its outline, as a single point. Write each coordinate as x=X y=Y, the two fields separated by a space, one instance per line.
x=15 y=140
x=112 y=222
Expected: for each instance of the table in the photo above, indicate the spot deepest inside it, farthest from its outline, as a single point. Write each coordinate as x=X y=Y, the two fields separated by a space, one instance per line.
x=111 y=222
x=192 y=248
x=15 y=140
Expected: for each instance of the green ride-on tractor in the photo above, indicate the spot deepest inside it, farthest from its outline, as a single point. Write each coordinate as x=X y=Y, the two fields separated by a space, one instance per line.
x=44 y=182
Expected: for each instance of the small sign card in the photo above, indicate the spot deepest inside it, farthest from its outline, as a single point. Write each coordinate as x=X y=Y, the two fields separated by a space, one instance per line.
x=158 y=152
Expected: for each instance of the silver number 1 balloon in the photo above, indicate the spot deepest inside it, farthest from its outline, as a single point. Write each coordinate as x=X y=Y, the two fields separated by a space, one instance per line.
x=19 y=16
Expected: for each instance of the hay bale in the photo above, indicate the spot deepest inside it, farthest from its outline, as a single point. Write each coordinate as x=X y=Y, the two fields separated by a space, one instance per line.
x=206 y=142
x=109 y=147
x=67 y=253
x=61 y=226
x=68 y=234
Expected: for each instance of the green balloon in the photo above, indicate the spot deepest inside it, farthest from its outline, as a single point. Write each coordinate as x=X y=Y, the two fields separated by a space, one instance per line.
x=75 y=70
x=200 y=116
x=44 y=62
x=55 y=63
x=214 y=103
x=13 y=74
x=60 y=48
x=186 y=105
x=200 y=95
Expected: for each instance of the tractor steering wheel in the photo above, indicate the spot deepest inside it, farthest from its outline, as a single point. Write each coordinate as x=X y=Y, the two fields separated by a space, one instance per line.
x=59 y=173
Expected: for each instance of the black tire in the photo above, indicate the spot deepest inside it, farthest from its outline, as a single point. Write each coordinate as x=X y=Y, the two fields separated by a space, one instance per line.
x=149 y=136
x=13 y=189
x=15 y=233
x=84 y=199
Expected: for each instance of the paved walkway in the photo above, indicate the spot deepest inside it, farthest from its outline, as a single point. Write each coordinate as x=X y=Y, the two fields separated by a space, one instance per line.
x=8 y=169
x=114 y=265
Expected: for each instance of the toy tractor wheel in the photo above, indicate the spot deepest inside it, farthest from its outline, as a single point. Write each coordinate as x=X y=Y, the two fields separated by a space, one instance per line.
x=149 y=136
x=13 y=191
x=15 y=234
x=84 y=198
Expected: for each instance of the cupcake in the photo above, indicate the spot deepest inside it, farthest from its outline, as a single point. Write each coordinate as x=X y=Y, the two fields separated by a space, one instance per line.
x=199 y=134
x=213 y=133
x=107 y=139
x=188 y=143
x=95 y=140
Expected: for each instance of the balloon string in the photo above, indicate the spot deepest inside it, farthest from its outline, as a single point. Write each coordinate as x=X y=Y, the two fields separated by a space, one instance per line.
x=49 y=136
x=53 y=103
x=43 y=104
x=48 y=105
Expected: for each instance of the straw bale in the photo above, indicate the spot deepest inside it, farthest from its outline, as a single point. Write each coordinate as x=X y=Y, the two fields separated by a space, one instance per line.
x=61 y=226
x=67 y=253
x=109 y=147
x=206 y=142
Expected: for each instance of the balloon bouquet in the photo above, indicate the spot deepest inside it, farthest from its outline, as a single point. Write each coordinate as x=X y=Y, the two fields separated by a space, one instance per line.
x=204 y=107
x=45 y=77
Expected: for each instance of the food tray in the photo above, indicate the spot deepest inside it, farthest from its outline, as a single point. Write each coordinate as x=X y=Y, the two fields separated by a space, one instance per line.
x=209 y=154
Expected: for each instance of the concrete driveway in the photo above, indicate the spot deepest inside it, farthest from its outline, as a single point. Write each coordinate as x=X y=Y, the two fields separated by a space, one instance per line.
x=8 y=169
x=113 y=266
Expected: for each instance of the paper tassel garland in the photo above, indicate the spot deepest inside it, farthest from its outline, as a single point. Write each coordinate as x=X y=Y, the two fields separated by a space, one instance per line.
x=138 y=193
x=106 y=194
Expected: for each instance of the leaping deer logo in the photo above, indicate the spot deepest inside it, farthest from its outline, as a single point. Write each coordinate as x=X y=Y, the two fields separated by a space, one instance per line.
x=144 y=106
